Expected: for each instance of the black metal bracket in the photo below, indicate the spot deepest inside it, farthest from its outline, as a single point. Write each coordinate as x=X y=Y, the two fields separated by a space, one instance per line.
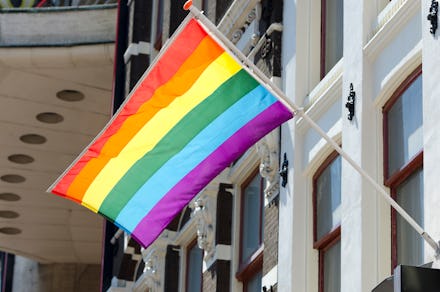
x=433 y=16
x=350 y=102
x=284 y=170
x=265 y=289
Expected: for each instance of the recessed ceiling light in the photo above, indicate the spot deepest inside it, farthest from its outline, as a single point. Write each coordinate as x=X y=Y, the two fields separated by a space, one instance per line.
x=50 y=118
x=10 y=230
x=33 y=139
x=20 y=158
x=70 y=95
x=12 y=178
x=8 y=214
x=10 y=197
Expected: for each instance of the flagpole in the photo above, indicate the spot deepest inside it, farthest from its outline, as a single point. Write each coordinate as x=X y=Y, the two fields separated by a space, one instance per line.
x=277 y=92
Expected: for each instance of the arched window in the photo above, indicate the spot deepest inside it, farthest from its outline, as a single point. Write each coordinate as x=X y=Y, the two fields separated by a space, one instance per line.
x=327 y=222
x=403 y=168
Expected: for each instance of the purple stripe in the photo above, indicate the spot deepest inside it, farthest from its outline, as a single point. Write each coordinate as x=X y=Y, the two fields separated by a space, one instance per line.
x=152 y=225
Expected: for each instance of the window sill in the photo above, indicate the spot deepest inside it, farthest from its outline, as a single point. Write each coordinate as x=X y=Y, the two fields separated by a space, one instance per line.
x=251 y=266
x=325 y=93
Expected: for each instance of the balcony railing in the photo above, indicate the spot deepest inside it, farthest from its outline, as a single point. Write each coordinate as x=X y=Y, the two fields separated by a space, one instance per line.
x=23 y=4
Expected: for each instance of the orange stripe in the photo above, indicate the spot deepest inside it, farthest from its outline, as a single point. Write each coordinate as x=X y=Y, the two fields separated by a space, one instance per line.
x=184 y=78
x=183 y=46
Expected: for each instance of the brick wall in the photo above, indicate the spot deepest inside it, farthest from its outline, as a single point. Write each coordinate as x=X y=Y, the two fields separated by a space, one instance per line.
x=270 y=257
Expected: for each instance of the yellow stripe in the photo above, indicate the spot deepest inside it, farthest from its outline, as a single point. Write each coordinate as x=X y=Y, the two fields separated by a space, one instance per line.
x=217 y=73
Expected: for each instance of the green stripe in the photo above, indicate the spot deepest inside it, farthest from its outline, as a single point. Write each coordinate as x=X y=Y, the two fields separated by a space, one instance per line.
x=175 y=140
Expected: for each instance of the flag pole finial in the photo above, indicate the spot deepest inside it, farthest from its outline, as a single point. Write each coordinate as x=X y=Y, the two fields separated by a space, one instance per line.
x=187 y=5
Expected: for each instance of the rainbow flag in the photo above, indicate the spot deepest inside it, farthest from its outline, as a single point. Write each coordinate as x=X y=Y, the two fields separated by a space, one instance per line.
x=193 y=112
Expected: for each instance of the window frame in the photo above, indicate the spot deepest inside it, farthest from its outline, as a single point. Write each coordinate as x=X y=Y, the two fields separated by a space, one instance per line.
x=331 y=238
x=394 y=180
x=323 y=45
x=254 y=263
x=411 y=168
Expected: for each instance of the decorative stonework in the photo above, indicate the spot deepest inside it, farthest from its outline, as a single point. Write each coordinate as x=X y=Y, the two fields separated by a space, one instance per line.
x=238 y=33
x=203 y=213
x=268 y=151
x=153 y=274
x=153 y=267
x=236 y=15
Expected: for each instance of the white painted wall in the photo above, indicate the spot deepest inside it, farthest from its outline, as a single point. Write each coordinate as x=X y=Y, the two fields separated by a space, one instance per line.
x=431 y=130
x=382 y=46
x=358 y=198
x=285 y=248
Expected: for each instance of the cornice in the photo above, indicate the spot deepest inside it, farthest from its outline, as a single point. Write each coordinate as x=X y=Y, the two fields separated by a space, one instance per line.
x=326 y=93
x=389 y=23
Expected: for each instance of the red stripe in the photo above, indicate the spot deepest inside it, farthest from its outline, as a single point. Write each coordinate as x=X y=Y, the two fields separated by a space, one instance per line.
x=183 y=46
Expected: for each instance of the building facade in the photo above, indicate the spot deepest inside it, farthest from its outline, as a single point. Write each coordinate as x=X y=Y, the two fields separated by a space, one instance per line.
x=343 y=235
x=292 y=214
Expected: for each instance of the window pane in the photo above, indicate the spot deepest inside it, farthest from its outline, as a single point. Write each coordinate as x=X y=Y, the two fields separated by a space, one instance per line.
x=405 y=119
x=251 y=228
x=409 y=242
x=334 y=32
x=194 y=273
x=332 y=268
x=328 y=199
x=254 y=283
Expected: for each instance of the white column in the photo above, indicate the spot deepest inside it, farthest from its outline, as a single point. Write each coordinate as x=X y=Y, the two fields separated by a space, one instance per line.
x=431 y=129
x=300 y=57
x=285 y=244
x=360 y=216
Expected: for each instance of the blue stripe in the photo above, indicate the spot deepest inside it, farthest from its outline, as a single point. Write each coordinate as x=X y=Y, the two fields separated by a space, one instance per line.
x=194 y=153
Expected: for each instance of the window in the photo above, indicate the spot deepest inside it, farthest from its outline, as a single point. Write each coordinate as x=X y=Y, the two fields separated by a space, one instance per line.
x=332 y=33
x=403 y=148
x=194 y=263
x=327 y=222
x=251 y=233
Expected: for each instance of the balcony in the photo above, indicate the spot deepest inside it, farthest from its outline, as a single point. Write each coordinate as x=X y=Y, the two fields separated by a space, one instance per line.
x=56 y=71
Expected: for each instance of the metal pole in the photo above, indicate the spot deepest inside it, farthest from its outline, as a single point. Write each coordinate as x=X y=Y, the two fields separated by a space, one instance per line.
x=252 y=69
